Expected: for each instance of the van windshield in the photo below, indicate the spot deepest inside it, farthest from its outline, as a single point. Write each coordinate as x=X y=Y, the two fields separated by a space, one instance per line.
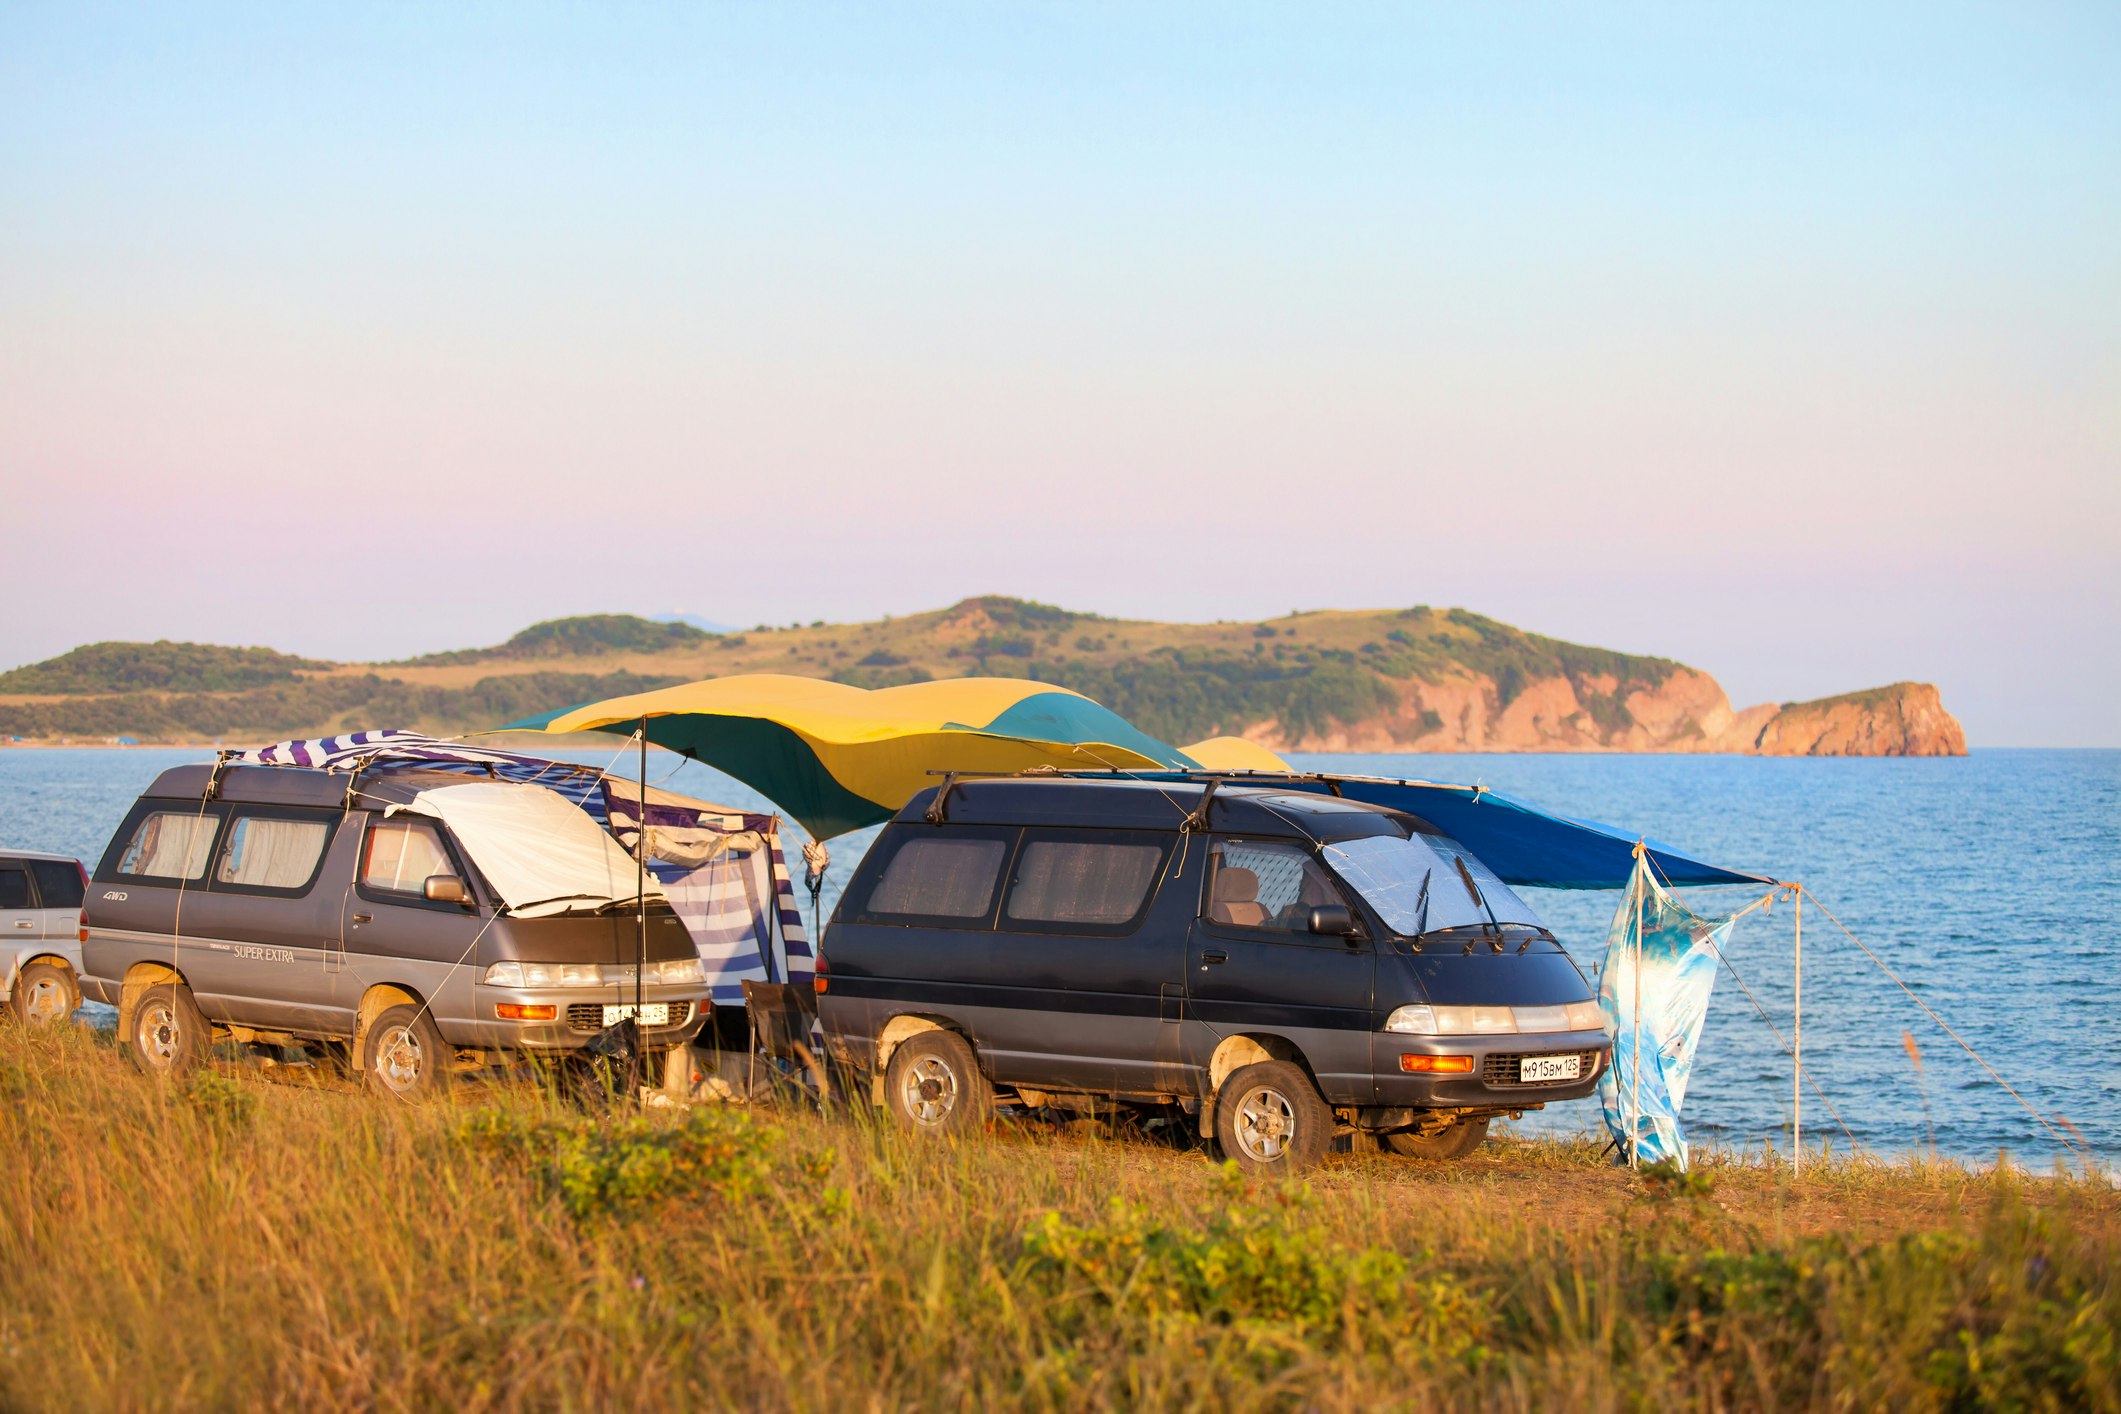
x=1426 y=884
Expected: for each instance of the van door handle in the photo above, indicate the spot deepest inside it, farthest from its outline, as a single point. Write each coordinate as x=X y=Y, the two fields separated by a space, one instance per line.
x=360 y=918
x=1212 y=955
x=25 y=923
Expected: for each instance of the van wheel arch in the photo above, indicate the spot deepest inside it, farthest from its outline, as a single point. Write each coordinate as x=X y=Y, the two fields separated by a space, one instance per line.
x=1234 y=1053
x=138 y=978
x=899 y=1030
x=374 y=1002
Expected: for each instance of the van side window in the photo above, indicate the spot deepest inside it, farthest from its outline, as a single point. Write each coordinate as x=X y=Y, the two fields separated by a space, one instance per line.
x=169 y=844
x=1083 y=883
x=14 y=887
x=1266 y=884
x=271 y=852
x=399 y=856
x=941 y=876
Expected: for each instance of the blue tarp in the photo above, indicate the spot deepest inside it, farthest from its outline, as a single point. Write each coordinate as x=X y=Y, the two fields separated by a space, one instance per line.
x=1523 y=844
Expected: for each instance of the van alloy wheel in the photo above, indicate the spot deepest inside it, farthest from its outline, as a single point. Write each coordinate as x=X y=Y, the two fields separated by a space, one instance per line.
x=403 y=1054
x=1265 y=1122
x=931 y=1090
x=399 y=1059
x=933 y=1085
x=168 y=1036
x=1270 y=1119
x=158 y=1032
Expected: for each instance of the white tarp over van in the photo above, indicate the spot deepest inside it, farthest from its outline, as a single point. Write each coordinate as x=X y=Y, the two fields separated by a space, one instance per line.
x=540 y=852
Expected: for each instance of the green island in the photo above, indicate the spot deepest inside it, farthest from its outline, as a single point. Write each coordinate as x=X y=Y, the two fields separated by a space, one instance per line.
x=1418 y=678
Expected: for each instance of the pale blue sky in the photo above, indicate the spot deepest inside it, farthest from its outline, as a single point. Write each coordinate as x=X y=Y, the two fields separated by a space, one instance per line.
x=1786 y=342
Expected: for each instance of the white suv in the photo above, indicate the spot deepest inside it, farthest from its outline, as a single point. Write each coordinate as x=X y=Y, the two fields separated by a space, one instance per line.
x=40 y=935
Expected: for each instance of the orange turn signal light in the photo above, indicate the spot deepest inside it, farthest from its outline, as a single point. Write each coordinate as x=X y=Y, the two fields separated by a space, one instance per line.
x=1437 y=1065
x=519 y=1011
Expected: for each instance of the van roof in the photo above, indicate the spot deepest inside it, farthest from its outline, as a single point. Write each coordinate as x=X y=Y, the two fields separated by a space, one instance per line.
x=301 y=785
x=1154 y=805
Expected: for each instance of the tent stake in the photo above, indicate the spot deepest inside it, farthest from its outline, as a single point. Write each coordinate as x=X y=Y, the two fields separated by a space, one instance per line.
x=1797 y=1051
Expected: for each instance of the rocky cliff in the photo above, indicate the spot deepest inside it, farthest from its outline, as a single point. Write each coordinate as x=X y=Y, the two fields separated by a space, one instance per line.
x=1903 y=719
x=1687 y=712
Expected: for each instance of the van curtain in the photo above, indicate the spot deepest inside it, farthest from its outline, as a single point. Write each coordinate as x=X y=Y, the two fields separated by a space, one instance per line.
x=1670 y=968
x=731 y=903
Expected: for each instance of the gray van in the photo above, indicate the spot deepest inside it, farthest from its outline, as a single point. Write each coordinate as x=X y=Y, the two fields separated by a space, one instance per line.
x=1281 y=966
x=405 y=925
x=40 y=935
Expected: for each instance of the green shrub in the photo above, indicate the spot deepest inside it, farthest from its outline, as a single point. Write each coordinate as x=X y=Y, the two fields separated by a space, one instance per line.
x=1248 y=1263
x=622 y=1165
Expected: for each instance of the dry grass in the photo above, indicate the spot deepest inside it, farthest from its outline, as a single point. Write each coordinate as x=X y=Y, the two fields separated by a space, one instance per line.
x=242 y=1243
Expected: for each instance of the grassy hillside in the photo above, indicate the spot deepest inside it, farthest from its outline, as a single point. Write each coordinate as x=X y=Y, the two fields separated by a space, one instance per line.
x=242 y=1242
x=1177 y=681
x=585 y=636
x=159 y=666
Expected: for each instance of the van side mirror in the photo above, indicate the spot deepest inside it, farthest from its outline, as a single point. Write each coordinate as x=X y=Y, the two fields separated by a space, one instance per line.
x=448 y=888
x=1333 y=920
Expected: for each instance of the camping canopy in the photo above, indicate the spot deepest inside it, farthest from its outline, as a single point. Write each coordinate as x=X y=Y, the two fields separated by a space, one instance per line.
x=1523 y=844
x=838 y=758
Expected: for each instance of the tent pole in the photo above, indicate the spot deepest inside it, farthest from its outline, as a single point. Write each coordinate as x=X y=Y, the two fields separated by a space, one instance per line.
x=1635 y=1100
x=1797 y=1051
x=640 y=891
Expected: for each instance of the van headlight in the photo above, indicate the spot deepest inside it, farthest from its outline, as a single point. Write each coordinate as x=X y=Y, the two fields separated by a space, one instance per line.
x=542 y=974
x=1424 y=1020
x=679 y=971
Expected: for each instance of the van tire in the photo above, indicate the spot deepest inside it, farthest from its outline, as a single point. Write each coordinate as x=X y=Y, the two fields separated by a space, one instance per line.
x=934 y=1085
x=45 y=993
x=168 y=1036
x=1270 y=1119
x=1461 y=1139
x=403 y=1055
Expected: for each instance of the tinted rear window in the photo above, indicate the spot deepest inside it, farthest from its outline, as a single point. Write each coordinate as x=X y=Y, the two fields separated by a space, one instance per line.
x=1095 y=884
x=14 y=886
x=58 y=884
x=940 y=877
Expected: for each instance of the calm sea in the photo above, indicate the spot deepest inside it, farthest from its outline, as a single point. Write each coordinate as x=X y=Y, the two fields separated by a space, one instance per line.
x=1991 y=884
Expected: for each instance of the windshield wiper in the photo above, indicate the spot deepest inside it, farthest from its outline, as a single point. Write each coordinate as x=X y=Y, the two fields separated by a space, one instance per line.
x=1494 y=923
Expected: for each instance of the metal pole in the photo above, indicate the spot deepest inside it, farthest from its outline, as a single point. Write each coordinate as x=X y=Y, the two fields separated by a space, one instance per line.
x=640 y=890
x=1635 y=1101
x=1797 y=1051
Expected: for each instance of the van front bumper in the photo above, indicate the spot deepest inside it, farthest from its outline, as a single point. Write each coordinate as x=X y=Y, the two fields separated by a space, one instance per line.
x=1493 y=1079
x=579 y=1017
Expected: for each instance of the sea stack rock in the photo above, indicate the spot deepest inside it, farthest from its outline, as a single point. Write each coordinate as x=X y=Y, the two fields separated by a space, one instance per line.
x=1903 y=719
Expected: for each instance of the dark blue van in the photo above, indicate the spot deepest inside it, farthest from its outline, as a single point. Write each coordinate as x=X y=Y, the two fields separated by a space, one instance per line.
x=1282 y=965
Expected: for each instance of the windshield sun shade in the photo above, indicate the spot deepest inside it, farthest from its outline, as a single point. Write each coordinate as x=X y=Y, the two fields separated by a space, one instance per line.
x=1426 y=883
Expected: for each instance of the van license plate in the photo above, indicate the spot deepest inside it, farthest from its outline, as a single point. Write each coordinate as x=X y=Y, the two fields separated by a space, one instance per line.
x=652 y=1014
x=1533 y=1068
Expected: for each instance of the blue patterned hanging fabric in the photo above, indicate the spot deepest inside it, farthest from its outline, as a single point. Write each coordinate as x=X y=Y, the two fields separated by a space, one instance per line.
x=1660 y=964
